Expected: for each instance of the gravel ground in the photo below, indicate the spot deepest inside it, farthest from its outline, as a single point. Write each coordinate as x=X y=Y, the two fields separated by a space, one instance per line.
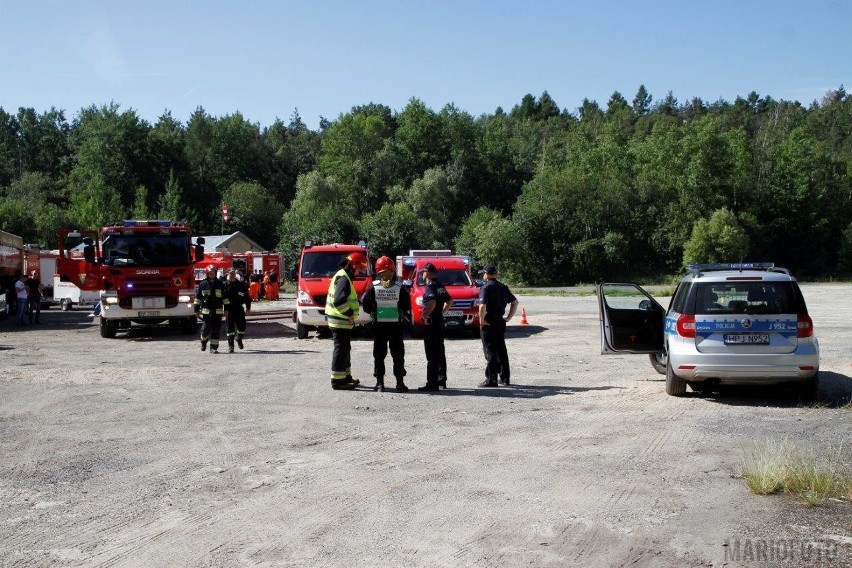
x=144 y=451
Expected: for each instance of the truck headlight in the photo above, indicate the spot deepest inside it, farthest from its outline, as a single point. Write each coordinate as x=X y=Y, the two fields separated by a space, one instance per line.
x=111 y=300
x=184 y=299
x=419 y=300
x=304 y=299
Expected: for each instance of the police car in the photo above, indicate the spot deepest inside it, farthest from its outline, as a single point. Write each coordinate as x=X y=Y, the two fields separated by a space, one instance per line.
x=743 y=323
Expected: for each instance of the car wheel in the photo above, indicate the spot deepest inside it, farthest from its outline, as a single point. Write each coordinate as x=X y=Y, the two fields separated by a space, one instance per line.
x=65 y=304
x=675 y=386
x=301 y=330
x=658 y=361
x=108 y=328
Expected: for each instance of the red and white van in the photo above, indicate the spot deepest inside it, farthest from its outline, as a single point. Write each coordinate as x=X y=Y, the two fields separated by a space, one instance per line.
x=317 y=265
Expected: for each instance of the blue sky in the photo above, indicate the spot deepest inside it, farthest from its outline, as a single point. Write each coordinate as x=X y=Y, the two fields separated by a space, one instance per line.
x=265 y=58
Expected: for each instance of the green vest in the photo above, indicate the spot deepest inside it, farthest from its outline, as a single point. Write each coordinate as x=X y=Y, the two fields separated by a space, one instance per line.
x=387 y=302
x=334 y=316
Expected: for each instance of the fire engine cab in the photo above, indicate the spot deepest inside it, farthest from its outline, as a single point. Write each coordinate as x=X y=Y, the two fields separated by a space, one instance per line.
x=142 y=269
x=454 y=273
x=317 y=264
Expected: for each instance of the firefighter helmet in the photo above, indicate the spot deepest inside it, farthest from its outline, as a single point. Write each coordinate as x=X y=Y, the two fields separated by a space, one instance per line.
x=210 y=268
x=357 y=260
x=383 y=264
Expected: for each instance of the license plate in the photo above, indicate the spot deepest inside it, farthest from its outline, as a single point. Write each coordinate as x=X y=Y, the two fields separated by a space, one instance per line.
x=148 y=314
x=149 y=302
x=747 y=339
x=453 y=314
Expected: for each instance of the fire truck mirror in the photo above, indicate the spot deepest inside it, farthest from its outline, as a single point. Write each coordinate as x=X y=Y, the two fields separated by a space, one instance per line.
x=199 y=252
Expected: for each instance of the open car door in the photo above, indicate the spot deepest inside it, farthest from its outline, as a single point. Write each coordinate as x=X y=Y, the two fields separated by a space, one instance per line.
x=631 y=320
x=79 y=251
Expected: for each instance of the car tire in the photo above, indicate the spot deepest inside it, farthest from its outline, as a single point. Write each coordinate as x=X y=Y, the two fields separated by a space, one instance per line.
x=675 y=386
x=658 y=361
x=108 y=328
x=301 y=330
x=65 y=304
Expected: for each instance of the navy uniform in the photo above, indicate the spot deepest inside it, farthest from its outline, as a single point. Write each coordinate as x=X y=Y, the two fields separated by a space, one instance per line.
x=494 y=296
x=386 y=300
x=435 y=301
x=238 y=296
x=211 y=304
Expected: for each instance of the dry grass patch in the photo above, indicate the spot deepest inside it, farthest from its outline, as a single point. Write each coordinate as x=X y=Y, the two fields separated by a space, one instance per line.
x=813 y=476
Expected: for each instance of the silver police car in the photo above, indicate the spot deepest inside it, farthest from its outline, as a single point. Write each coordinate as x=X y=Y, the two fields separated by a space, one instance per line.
x=743 y=323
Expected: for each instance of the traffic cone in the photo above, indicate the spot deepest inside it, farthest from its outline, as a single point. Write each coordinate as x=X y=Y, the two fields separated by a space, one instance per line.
x=524 y=317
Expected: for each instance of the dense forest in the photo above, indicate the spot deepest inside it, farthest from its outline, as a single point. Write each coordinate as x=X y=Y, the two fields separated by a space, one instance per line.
x=633 y=189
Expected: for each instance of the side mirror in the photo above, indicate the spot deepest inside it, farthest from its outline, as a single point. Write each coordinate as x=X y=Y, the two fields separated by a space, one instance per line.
x=199 y=241
x=199 y=251
x=89 y=252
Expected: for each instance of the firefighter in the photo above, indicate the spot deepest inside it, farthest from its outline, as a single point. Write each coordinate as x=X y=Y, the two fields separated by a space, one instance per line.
x=436 y=301
x=341 y=309
x=238 y=296
x=386 y=300
x=211 y=304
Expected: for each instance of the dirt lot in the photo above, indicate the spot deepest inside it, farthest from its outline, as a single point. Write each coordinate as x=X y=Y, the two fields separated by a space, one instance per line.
x=144 y=451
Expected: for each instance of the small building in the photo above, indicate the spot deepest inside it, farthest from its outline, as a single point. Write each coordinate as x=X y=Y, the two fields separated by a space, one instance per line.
x=235 y=243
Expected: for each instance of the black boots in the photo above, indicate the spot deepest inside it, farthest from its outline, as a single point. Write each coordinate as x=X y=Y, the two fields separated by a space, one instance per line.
x=380 y=384
x=230 y=346
x=400 y=386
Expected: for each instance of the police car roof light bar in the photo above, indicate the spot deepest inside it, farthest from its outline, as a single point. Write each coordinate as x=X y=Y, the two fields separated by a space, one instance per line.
x=737 y=266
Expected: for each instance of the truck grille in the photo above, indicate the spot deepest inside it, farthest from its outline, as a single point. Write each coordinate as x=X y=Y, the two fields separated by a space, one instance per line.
x=462 y=304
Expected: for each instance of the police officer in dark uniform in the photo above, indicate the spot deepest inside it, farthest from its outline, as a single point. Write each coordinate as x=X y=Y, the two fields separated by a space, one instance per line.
x=494 y=296
x=237 y=293
x=436 y=301
x=211 y=304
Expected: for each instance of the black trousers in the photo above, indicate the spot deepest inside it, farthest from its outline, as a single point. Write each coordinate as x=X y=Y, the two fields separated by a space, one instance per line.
x=236 y=324
x=211 y=329
x=436 y=358
x=496 y=356
x=341 y=363
x=388 y=335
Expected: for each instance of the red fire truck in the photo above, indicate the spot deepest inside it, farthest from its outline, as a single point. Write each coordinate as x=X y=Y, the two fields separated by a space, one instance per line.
x=143 y=270
x=454 y=274
x=318 y=263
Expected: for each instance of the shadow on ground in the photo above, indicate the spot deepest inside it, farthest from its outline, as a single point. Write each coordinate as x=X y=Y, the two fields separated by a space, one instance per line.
x=835 y=391
x=513 y=391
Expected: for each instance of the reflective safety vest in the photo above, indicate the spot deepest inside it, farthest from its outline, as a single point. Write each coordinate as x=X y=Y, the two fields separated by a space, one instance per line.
x=335 y=317
x=387 y=302
x=210 y=298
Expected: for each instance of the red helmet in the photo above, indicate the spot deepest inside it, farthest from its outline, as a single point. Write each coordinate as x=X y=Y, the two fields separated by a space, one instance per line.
x=383 y=264
x=357 y=260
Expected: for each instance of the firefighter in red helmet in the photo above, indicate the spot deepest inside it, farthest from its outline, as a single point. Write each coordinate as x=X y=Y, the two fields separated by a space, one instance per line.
x=386 y=300
x=211 y=303
x=341 y=309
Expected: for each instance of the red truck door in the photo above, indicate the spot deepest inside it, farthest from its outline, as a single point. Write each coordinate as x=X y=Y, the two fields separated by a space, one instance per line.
x=72 y=264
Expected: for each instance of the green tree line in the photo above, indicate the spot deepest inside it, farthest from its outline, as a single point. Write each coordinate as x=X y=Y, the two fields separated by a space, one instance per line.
x=635 y=188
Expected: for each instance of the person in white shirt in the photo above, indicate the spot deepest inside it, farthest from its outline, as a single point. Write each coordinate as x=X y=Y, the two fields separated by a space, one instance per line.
x=22 y=297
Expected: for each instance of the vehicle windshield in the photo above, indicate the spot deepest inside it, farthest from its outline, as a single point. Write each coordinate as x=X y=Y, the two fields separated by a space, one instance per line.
x=746 y=297
x=449 y=277
x=146 y=250
x=317 y=264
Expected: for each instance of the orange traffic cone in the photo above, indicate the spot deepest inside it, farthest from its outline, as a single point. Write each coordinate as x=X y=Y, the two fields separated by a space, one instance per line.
x=524 y=317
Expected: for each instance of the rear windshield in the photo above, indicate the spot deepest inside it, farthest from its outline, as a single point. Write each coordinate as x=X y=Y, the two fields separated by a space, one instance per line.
x=316 y=264
x=748 y=297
